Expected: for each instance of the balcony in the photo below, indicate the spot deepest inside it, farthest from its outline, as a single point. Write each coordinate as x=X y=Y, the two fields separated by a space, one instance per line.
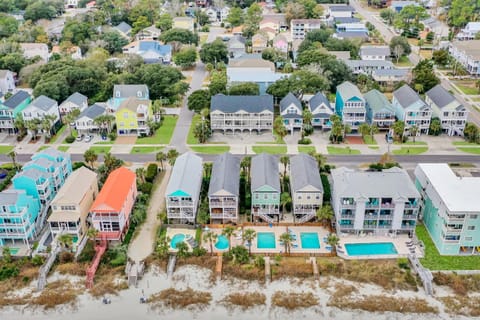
x=386 y=216
x=179 y=203
x=220 y=203
x=455 y=218
x=346 y=226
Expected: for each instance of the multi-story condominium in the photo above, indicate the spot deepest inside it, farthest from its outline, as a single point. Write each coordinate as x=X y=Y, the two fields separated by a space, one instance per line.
x=300 y=27
x=351 y=27
x=223 y=192
x=85 y=122
x=412 y=110
x=291 y=111
x=7 y=81
x=306 y=186
x=467 y=53
x=380 y=111
x=265 y=185
x=132 y=117
x=450 y=209
x=340 y=11
x=74 y=101
x=469 y=32
x=122 y=92
x=183 y=189
x=72 y=203
x=18 y=213
x=41 y=107
x=10 y=108
x=374 y=52
x=350 y=104
x=61 y=161
x=368 y=66
x=452 y=114
x=374 y=202
x=321 y=111
x=110 y=212
x=241 y=113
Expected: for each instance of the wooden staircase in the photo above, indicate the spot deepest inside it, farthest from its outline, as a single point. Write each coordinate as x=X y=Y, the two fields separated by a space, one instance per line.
x=92 y=269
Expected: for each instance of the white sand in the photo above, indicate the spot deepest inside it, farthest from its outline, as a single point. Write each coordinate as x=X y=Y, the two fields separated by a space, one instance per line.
x=127 y=306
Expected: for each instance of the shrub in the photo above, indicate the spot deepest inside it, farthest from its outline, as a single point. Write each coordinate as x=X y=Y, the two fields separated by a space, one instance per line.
x=245 y=300
x=87 y=253
x=8 y=271
x=304 y=141
x=179 y=299
x=69 y=139
x=403 y=263
x=240 y=254
x=260 y=262
x=199 y=251
x=37 y=260
x=21 y=135
x=293 y=300
x=65 y=257
x=145 y=188
x=151 y=172
x=78 y=165
x=112 y=136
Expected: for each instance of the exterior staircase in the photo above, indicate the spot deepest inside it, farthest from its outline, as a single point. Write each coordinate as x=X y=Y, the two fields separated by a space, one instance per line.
x=265 y=217
x=92 y=269
x=134 y=271
x=45 y=268
x=425 y=274
x=306 y=217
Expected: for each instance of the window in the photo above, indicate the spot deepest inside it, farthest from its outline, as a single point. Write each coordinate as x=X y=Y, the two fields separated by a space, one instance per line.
x=139 y=94
x=474 y=216
x=468 y=238
x=471 y=228
x=256 y=196
x=265 y=196
x=125 y=115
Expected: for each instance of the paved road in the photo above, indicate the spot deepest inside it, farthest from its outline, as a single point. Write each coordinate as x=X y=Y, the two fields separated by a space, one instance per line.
x=387 y=33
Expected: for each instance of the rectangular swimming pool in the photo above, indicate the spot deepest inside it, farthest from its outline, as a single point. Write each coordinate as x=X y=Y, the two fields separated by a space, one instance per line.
x=367 y=249
x=310 y=240
x=266 y=240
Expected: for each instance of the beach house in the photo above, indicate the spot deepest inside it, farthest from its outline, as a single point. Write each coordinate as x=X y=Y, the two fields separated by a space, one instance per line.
x=223 y=192
x=350 y=105
x=10 y=108
x=375 y=203
x=321 y=111
x=110 y=212
x=85 y=122
x=306 y=187
x=74 y=101
x=380 y=111
x=183 y=189
x=291 y=111
x=412 y=110
x=265 y=186
x=449 y=208
x=122 y=92
x=133 y=116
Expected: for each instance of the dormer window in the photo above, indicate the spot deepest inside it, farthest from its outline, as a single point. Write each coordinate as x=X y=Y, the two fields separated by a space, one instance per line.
x=117 y=94
x=139 y=94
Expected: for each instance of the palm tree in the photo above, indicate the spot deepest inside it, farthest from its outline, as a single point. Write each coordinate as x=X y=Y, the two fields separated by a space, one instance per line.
x=48 y=125
x=207 y=169
x=90 y=157
x=13 y=156
x=140 y=172
x=92 y=233
x=228 y=232
x=399 y=129
x=65 y=240
x=210 y=237
x=172 y=155
x=325 y=213
x=285 y=199
x=364 y=129
x=161 y=157
x=333 y=241
x=32 y=126
x=247 y=236
x=320 y=158
x=413 y=132
x=104 y=122
x=285 y=160
x=157 y=109
x=246 y=164
x=287 y=239
x=373 y=130
x=71 y=117
x=19 y=123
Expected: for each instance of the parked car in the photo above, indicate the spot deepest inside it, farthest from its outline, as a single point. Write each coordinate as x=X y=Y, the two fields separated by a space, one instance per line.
x=80 y=137
x=88 y=138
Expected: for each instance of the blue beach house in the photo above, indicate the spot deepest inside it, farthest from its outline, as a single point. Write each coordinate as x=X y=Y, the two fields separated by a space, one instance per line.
x=350 y=104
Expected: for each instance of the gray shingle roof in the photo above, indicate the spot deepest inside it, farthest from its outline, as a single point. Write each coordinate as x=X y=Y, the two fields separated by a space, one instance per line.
x=440 y=96
x=186 y=175
x=16 y=99
x=351 y=34
x=264 y=171
x=391 y=72
x=370 y=63
x=406 y=96
x=92 y=112
x=348 y=90
x=252 y=104
x=393 y=182
x=288 y=100
x=76 y=98
x=53 y=153
x=346 y=20
x=377 y=101
x=341 y=8
x=225 y=174
x=123 y=27
x=130 y=90
x=10 y=197
x=44 y=103
x=317 y=100
x=304 y=172
x=32 y=173
x=375 y=51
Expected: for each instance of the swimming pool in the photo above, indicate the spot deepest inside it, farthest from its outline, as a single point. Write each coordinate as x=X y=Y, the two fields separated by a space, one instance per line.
x=177 y=239
x=222 y=242
x=310 y=240
x=366 y=249
x=266 y=240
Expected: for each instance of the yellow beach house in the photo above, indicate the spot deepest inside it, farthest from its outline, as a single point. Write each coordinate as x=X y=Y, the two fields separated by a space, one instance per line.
x=132 y=117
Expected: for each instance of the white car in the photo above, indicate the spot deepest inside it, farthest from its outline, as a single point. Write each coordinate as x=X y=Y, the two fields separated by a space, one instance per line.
x=88 y=138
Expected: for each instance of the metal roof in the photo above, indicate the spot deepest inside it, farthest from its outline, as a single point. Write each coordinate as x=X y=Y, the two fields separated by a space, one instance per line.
x=225 y=174
x=252 y=104
x=304 y=172
x=441 y=97
x=288 y=100
x=15 y=100
x=76 y=98
x=348 y=90
x=44 y=103
x=264 y=171
x=186 y=176
x=92 y=112
x=406 y=96
x=377 y=101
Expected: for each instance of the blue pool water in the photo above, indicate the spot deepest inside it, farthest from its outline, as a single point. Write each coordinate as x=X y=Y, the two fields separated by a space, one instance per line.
x=365 y=249
x=310 y=240
x=177 y=239
x=222 y=243
x=266 y=240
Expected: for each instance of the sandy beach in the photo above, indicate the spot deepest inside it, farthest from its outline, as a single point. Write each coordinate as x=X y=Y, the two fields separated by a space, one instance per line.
x=126 y=305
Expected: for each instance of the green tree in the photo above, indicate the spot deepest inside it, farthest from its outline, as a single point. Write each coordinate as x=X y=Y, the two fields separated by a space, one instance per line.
x=388 y=15
x=164 y=82
x=461 y=12
x=471 y=132
x=286 y=239
x=92 y=233
x=333 y=241
x=279 y=127
x=285 y=160
x=228 y=232
x=247 y=236
x=70 y=118
x=186 y=57
x=214 y=52
x=410 y=17
x=164 y=22
x=294 y=10
x=244 y=89
x=299 y=83
x=172 y=156
x=245 y=164
x=198 y=100
x=65 y=240
x=252 y=20
x=325 y=214
x=179 y=35
x=285 y=200
x=441 y=57
x=182 y=250
x=337 y=131
x=211 y=238
x=40 y=10
x=90 y=157
x=435 y=127
x=113 y=42
x=202 y=17
x=399 y=47
x=218 y=83
x=235 y=16
x=364 y=129
x=104 y=122
x=8 y=25
x=424 y=75
x=141 y=23
x=161 y=157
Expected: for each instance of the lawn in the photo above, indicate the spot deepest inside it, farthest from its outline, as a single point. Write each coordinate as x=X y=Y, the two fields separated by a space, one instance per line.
x=210 y=149
x=306 y=149
x=426 y=54
x=74 y=134
x=5 y=149
x=374 y=147
x=100 y=149
x=191 y=138
x=58 y=134
x=470 y=150
x=464 y=143
x=104 y=142
x=143 y=150
x=270 y=149
x=411 y=143
x=341 y=151
x=163 y=135
x=403 y=151
x=434 y=261
x=467 y=87
x=63 y=148
x=369 y=139
x=402 y=62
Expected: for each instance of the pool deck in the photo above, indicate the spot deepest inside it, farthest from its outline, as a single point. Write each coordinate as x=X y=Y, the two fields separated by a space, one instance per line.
x=173 y=231
x=399 y=241
x=278 y=231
